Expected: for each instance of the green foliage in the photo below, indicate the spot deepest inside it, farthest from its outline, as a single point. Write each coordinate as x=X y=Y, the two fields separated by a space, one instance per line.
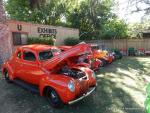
x=70 y=41
x=95 y=20
x=89 y=35
x=136 y=28
x=18 y=9
x=48 y=13
x=91 y=16
x=114 y=28
x=40 y=40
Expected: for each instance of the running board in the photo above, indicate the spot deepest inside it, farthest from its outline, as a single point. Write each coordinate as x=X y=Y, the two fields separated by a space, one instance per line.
x=26 y=86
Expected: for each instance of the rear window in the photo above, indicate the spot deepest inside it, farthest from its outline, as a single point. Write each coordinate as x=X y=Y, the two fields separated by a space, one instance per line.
x=45 y=55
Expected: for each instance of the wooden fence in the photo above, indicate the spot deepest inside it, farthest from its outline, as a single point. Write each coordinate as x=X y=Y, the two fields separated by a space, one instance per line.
x=123 y=43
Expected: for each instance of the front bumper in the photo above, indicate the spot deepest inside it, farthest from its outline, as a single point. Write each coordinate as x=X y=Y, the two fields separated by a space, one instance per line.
x=84 y=95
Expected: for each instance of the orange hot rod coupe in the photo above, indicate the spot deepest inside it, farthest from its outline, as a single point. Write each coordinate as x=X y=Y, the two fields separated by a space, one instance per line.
x=57 y=77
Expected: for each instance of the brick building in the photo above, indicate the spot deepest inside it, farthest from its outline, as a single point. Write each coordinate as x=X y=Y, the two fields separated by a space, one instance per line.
x=19 y=32
x=5 y=39
x=14 y=33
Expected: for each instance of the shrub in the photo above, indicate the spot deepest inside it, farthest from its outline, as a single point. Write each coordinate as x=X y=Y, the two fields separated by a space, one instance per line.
x=40 y=40
x=70 y=41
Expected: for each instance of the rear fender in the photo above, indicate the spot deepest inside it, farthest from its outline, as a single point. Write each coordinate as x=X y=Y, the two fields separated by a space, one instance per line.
x=7 y=66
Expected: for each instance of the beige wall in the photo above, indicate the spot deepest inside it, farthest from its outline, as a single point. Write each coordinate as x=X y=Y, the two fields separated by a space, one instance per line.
x=123 y=43
x=32 y=30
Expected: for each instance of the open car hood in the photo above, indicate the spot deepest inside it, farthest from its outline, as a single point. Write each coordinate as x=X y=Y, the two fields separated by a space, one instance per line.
x=73 y=51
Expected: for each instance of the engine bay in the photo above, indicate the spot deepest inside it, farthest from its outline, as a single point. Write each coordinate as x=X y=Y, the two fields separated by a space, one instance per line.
x=74 y=73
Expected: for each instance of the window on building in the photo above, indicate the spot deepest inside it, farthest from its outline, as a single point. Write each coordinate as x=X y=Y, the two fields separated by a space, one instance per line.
x=29 y=56
x=19 y=38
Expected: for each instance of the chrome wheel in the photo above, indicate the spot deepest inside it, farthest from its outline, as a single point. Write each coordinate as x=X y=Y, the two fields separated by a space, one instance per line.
x=53 y=98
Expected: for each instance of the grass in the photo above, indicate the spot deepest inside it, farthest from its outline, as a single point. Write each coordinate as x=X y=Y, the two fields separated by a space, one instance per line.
x=121 y=89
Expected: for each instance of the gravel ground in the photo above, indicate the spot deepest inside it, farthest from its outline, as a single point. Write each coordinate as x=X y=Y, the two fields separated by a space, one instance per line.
x=120 y=90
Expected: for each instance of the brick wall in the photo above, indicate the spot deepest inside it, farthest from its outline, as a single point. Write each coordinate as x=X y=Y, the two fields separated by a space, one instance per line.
x=2 y=13
x=5 y=43
x=5 y=39
x=7 y=27
x=32 y=30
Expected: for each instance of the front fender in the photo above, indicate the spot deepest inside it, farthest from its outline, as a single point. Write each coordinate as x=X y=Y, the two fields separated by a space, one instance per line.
x=89 y=74
x=60 y=84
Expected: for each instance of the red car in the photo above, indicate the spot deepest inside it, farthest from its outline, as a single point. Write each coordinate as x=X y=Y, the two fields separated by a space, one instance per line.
x=103 y=56
x=58 y=78
x=86 y=59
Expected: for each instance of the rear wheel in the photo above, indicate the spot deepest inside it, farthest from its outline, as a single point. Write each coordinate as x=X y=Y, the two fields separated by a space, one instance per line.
x=6 y=76
x=53 y=98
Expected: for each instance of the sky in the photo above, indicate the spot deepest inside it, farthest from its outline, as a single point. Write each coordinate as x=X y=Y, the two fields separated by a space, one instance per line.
x=123 y=10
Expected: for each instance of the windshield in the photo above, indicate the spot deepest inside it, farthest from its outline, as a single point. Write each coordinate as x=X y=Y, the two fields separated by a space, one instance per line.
x=45 y=55
x=48 y=54
x=56 y=50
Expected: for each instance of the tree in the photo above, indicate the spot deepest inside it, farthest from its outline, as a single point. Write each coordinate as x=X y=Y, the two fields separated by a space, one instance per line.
x=114 y=28
x=136 y=6
x=89 y=16
x=18 y=9
x=136 y=28
x=46 y=13
x=36 y=3
x=137 y=3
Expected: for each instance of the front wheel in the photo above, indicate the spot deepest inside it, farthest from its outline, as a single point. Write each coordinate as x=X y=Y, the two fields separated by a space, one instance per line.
x=53 y=98
x=103 y=62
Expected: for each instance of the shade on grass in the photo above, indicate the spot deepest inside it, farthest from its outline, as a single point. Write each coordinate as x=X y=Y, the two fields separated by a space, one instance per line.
x=121 y=89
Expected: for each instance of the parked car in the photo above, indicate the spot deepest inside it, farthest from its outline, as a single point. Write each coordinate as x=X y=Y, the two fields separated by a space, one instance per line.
x=57 y=77
x=117 y=54
x=108 y=55
x=101 y=55
x=86 y=59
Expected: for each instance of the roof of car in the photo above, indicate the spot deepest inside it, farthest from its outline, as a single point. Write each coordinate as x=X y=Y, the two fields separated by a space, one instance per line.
x=64 y=47
x=38 y=47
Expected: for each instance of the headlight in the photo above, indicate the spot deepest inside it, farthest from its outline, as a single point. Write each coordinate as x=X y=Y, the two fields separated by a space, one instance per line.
x=71 y=86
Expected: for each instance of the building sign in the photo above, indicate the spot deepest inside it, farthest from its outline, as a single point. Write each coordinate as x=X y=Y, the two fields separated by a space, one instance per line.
x=47 y=32
x=19 y=27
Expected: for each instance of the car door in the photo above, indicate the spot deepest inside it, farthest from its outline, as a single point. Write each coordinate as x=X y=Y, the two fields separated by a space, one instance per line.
x=17 y=62
x=30 y=71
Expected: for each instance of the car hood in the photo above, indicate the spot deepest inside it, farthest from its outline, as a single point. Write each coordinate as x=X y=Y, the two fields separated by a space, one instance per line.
x=74 y=51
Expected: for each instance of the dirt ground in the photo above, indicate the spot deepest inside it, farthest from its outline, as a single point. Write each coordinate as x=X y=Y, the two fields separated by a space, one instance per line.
x=121 y=89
